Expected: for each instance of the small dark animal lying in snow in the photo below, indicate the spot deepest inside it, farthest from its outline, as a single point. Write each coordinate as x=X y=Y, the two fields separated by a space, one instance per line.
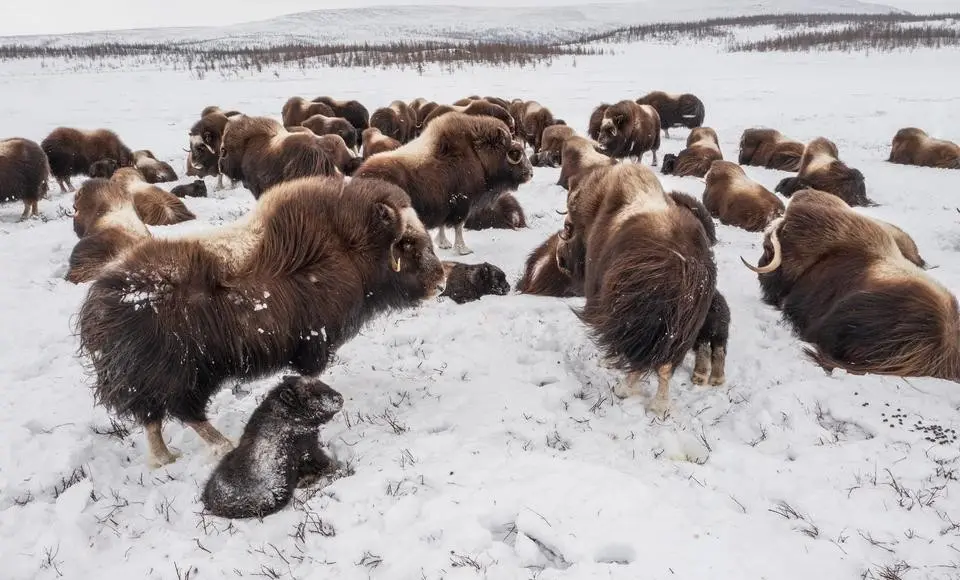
x=469 y=282
x=196 y=189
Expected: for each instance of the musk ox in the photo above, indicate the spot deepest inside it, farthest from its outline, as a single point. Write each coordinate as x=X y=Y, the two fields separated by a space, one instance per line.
x=630 y=130
x=477 y=107
x=684 y=110
x=152 y=169
x=459 y=162
x=821 y=169
x=259 y=152
x=323 y=125
x=533 y=119
x=376 y=142
x=352 y=111
x=23 y=174
x=736 y=200
x=106 y=221
x=168 y=324
x=505 y=214
x=596 y=117
x=703 y=148
x=209 y=110
x=154 y=206
x=297 y=110
x=278 y=451
x=542 y=274
x=339 y=154
x=647 y=267
x=551 y=146
x=845 y=286
x=72 y=151
x=196 y=189
x=469 y=282
x=769 y=148
x=912 y=146
x=103 y=169
x=580 y=156
x=205 y=138
x=396 y=120
x=422 y=109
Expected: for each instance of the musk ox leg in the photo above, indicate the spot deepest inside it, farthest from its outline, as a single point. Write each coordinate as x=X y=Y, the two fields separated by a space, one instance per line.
x=660 y=405
x=718 y=361
x=36 y=209
x=458 y=243
x=442 y=242
x=666 y=133
x=219 y=182
x=654 y=157
x=159 y=453
x=27 y=206
x=219 y=444
x=63 y=186
x=629 y=387
x=701 y=368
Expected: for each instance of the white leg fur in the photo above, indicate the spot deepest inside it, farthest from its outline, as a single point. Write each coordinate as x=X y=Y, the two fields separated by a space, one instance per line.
x=458 y=243
x=660 y=406
x=159 y=455
x=442 y=242
x=629 y=387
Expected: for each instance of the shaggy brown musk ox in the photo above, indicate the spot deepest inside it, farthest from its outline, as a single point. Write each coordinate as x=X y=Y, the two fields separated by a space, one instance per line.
x=542 y=274
x=154 y=206
x=458 y=163
x=912 y=146
x=648 y=272
x=630 y=130
x=506 y=214
x=376 y=142
x=210 y=109
x=675 y=110
x=470 y=282
x=297 y=110
x=167 y=325
x=152 y=169
x=72 y=151
x=259 y=152
x=580 y=156
x=478 y=107
x=352 y=111
x=104 y=169
x=736 y=200
x=551 y=146
x=396 y=120
x=205 y=137
x=23 y=174
x=533 y=119
x=703 y=148
x=422 y=108
x=106 y=221
x=339 y=154
x=323 y=125
x=769 y=148
x=821 y=169
x=845 y=286
x=596 y=117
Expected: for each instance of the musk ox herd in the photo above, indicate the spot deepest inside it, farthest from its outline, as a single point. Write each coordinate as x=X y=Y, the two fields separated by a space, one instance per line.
x=339 y=234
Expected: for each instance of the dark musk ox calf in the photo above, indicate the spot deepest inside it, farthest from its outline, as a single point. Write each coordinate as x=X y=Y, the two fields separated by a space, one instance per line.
x=397 y=121
x=23 y=174
x=580 y=156
x=152 y=169
x=205 y=138
x=458 y=163
x=675 y=110
x=352 y=111
x=259 y=152
x=196 y=189
x=703 y=148
x=470 y=282
x=323 y=125
x=506 y=214
x=165 y=327
x=103 y=169
x=72 y=151
x=846 y=287
x=376 y=142
x=736 y=200
x=551 y=146
x=297 y=110
x=912 y=146
x=278 y=451
x=769 y=148
x=630 y=130
x=477 y=107
x=154 y=206
x=821 y=169
x=543 y=276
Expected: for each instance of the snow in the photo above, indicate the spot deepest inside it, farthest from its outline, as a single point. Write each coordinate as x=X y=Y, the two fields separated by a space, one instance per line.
x=484 y=439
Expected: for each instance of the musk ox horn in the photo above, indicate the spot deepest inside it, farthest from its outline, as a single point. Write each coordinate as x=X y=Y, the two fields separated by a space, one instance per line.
x=561 y=212
x=777 y=254
x=394 y=262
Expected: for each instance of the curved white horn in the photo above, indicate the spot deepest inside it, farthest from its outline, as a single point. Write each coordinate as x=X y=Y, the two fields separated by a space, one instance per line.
x=777 y=254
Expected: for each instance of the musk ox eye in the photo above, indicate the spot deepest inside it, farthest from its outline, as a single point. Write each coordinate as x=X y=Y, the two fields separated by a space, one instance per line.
x=515 y=156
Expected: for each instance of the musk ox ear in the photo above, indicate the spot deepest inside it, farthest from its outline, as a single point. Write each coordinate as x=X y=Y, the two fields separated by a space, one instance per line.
x=387 y=220
x=288 y=392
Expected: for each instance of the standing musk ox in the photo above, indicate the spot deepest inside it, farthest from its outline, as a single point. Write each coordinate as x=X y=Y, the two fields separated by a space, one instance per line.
x=912 y=146
x=769 y=148
x=154 y=206
x=551 y=146
x=684 y=110
x=821 y=169
x=153 y=170
x=165 y=326
x=323 y=125
x=259 y=152
x=352 y=111
x=478 y=107
x=648 y=273
x=630 y=130
x=580 y=156
x=297 y=110
x=736 y=200
x=336 y=150
x=397 y=121
x=106 y=221
x=542 y=274
x=846 y=287
x=505 y=214
x=703 y=148
x=376 y=142
x=71 y=152
x=206 y=135
x=470 y=282
x=422 y=109
x=533 y=119
x=23 y=174
x=458 y=163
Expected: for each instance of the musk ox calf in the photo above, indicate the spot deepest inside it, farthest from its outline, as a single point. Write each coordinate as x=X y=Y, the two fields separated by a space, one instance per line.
x=675 y=110
x=912 y=146
x=580 y=156
x=505 y=214
x=297 y=110
x=477 y=107
x=551 y=146
x=703 y=148
x=23 y=174
x=846 y=287
x=769 y=148
x=106 y=221
x=196 y=189
x=397 y=121
x=470 y=282
x=278 y=451
x=376 y=142
x=152 y=169
x=352 y=111
x=154 y=206
x=323 y=125
x=542 y=274
x=648 y=272
x=72 y=151
x=167 y=325
x=458 y=163
x=259 y=152
x=205 y=138
x=736 y=200
x=630 y=130
x=821 y=169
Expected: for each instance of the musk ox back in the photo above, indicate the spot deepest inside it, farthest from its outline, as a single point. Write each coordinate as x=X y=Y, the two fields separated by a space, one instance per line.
x=476 y=107
x=675 y=110
x=846 y=288
x=505 y=213
x=72 y=151
x=323 y=125
x=821 y=169
x=470 y=282
x=551 y=146
x=769 y=148
x=152 y=169
x=154 y=206
x=376 y=142
x=580 y=156
x=736 y=200
x=630 y=130
x=297 y=110
x=167 y=325
x=397 y=121
x=352 y=111
x=703 y=148
x=534 y=118
x=23 y=174
x=912 y=146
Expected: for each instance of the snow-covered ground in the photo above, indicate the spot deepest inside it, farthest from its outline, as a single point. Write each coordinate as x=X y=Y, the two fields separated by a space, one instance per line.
x=483 y=439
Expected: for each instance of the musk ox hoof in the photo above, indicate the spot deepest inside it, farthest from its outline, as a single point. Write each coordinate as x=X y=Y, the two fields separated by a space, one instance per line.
x=463 y=250
x=717 y=381
x=699 y=378
x=625 y=390
x=660 y=408
x=158 y=460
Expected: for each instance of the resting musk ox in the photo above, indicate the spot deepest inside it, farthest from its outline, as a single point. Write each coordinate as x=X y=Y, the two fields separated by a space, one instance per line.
x=71 y=152
x=323 y=125
x=630 y=130
x=259 y=152
x=352 y=111
x=206 y=135
x=154 y=206
x=769 y=148
x=376 y=142
x=580 y=156
x=821 y=169
x=736 y=200
x=542 y=274
x=23 y=174
x=478 y=107
x=675 y=110
x=703 y=148
x=396 y=120
x=647 y=267
x=459 y=162
x=505 y=214
x=299 y=276
x=551 y=146
x=297 y=110
x=912 y=146
x=106 y=221
x=470 y=282
x=153 y=170
x=533 y=119
x=196 y=189
x=846 y=288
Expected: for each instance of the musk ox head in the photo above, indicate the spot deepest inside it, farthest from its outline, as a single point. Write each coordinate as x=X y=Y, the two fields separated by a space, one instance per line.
x=237 y=133
x=196 y=189
x=615 y=127
x=307 y=401
x=104 y=169
x=96 y=198
x=503 y=157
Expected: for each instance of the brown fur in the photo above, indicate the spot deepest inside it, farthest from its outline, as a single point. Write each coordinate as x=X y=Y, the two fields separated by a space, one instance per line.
x=596 y=117
x=580 y=156
x=422 y=109
x=821 y=169
x=551 y=146
x=353 y=111
x=209 y=110
x=630 y=130
x=470 y=282
x=534 y=118
x=23 y=174
x=337 y=151
x=323 y=125
x=297 y=110
x=542 y=275
x=376 y=142
x=769 y=148
x=912 y=146
x=703 y=148
x=477 y=107
x=205 y=138
x=397 y=121
x=154 y=206
x=736 y=200
x=505 y=213
x=675 y=110
x=153 y=170
x=71 y=152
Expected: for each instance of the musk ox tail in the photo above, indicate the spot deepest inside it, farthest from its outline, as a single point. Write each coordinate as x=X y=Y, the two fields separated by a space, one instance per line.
x=691 y=110
x=669 y=164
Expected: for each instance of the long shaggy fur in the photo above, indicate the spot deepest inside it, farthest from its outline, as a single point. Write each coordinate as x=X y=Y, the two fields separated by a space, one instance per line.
x=154 y=206
x=821 y=169
x=477 y=107
x=580 y=156
x=506 y=214
x=683 y=110
x=323 y=125
x=397 y=121
x=542 y=275
x=769 y=148
x=352 y=111
x=912 y=146
x=23 y=174
x=533 y=119
x=72 y=151
x=736 y=200
x=630 y=130
x=152 y=169
x=596 y=117
x=703 y=148
x=297 y=110
x=205 y=138
x=551 y=147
